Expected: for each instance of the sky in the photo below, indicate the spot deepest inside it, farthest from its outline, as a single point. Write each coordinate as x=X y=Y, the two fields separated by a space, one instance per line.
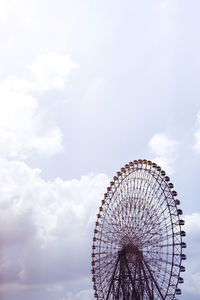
x=86 y=87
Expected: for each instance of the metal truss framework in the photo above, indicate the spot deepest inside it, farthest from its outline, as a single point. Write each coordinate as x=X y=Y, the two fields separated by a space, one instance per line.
x=137 y=243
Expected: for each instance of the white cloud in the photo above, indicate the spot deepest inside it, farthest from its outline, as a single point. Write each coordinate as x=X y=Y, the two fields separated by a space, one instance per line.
x=5 y=7
x=50 y=71
x=39 y=221
x=43 y=226
x=21 y=129
x=82 y=295
x=165 y=151
x=161 y=6
x=161 y=145
x=196 y=145
x=15 y=84
x=48 y=143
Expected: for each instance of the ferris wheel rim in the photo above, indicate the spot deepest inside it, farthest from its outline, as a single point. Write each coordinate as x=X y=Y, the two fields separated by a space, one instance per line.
x=149 y=169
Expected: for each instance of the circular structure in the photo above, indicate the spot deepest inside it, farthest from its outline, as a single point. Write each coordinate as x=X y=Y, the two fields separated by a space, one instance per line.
x=137 y=243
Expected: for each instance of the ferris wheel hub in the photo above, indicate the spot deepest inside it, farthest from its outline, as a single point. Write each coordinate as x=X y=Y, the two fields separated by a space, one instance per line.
x=130 y=248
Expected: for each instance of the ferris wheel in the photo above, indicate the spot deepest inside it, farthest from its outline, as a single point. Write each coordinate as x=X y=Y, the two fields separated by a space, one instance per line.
x=137 y=243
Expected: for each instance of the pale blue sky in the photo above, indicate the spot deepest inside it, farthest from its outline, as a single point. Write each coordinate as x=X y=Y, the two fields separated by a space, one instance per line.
x=85 y=87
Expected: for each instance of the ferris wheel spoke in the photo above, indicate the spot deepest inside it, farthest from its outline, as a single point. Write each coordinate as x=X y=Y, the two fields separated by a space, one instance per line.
x=154 y=281
x=139 y=219
x=149 y=290
x=155 y=240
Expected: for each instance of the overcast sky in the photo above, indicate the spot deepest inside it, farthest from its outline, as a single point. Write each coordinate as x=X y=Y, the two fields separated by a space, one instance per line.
x=85 y=87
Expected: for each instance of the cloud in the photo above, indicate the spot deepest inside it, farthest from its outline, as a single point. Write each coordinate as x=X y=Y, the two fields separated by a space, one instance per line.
x=50 y=71
x=5 y=8
x=196 y=146
x=161 y=145
x=39 y=221
x=82 y=295
x=3 y=14
x=45 y=227
x=15 y=84
x=165 y=151
x=22 y=130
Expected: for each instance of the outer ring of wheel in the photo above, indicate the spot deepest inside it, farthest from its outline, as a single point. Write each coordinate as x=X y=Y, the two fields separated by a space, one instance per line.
x=171 y=202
